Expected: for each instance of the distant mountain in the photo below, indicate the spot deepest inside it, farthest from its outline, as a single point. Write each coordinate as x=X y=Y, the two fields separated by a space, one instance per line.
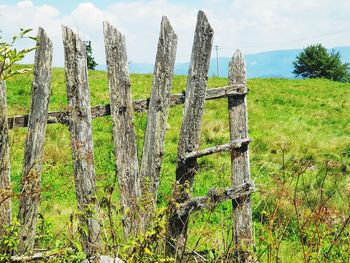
x=271 y=64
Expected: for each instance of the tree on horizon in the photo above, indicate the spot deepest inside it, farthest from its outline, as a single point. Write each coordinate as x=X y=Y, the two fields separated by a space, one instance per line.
x=91 y=63
x=316 y=62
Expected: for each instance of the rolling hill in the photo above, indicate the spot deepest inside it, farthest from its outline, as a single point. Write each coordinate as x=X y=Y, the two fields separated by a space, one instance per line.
x=270 y=64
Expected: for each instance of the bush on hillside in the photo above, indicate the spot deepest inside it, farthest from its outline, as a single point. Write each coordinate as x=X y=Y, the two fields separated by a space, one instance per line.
x=316 y=62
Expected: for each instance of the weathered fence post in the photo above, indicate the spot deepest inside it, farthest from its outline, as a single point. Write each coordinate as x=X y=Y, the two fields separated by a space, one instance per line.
x=5 y=183
x=123 y=128
x=81 y=141
x=156 y=121
x=240 y=167
x=190 y=131
x=32 y=167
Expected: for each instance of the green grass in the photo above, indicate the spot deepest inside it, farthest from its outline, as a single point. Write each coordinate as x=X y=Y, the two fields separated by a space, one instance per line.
x=309 y=117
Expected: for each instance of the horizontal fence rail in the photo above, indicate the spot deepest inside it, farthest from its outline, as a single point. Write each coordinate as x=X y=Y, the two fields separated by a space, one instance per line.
x=214 y=197
x=231 y=146
x=138 y=105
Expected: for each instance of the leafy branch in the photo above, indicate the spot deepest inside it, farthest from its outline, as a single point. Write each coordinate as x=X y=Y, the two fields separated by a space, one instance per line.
x=9 y=55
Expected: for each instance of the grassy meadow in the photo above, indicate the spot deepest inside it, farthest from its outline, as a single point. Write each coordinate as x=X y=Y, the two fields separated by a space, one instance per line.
x=300 y=160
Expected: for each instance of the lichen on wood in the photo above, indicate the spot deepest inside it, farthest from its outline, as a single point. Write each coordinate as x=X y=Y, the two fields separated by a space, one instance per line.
x=190 y=130
x=240 y=166
x=5 y=182
x=156 y=120
x=33 y=154
x=127 y=169
x=81 y=141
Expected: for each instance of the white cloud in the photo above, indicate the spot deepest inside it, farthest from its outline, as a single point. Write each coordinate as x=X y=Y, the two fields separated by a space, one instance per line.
x=24 y=4
x=252 y=25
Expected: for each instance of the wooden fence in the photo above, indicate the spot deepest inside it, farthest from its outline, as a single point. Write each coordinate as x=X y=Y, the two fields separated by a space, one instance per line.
x=138 y=184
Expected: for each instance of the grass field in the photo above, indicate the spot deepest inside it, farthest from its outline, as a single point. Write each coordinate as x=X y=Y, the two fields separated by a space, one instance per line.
x=293 y=124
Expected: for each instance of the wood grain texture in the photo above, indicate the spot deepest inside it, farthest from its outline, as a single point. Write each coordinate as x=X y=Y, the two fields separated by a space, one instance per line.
x=123 y=128
x=240 y=167
x=81 y=141
x=33 y=154
x=156 y=122
x=5 y=182
x=213 y=198
x=138 y=106
x=190 y=130
x=235 y=145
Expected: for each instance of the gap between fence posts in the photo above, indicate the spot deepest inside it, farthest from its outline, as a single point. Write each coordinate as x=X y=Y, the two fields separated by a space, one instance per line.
x=5 y=181
x=156 y=121
x=33 y=154
x=190 y=134
x=240 y=167
x=81 y=141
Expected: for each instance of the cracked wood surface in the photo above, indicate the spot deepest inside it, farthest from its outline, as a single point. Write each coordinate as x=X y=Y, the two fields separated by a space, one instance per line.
x=123 y=128
x=5 y=182
x=235 y=145
x=33 y=154
x=190 y=129
x=81 y=141
x=213 y=198
x=156 y=120
x=240 y=167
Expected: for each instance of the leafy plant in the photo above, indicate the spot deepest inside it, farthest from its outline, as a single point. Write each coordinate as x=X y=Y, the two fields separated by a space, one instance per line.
x=9 y=55
x=9 y=241
x=146 y=247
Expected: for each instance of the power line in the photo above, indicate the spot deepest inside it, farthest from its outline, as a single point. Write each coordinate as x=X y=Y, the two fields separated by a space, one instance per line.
x=306 y=38
x=298 y=39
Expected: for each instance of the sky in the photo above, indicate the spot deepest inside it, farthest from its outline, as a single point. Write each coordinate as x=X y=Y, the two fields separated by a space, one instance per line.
x=250 y=25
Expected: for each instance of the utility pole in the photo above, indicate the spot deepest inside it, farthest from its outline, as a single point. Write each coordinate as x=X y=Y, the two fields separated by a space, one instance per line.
x=129 y=66
x=217 y=61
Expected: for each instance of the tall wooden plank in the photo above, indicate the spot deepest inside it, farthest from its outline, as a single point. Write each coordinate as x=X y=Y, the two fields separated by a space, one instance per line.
x=240 y=167
x=156 y=121
x=32 y=167
x=123 y=127
x=5 y=183
x=81 y=141
x=190 y=129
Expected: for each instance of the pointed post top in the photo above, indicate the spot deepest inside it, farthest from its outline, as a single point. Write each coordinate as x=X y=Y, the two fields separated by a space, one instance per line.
x=203 y=20
x=238 y=55
x=116 y=52
x=201 y=15
x=108 y=28
x=165 y=21
x=166 y=27
x=69 y=37
x=237 y=69
x=201 y=50
x=43 y=39
x=66 y=31
x=42 y=33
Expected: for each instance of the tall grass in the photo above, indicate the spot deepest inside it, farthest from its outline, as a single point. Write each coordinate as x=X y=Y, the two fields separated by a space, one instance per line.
x=299 y=156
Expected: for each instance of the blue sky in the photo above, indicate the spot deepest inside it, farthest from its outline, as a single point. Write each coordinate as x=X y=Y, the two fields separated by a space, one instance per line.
x=67 y=6
x=251 y=25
